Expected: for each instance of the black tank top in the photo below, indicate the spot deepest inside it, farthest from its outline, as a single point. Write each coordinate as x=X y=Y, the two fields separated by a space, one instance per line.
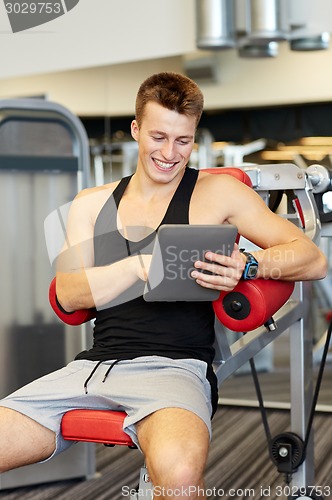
x=129 y=327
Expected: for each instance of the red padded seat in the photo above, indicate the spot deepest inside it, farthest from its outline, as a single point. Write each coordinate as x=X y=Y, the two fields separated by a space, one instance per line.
x=96 y=426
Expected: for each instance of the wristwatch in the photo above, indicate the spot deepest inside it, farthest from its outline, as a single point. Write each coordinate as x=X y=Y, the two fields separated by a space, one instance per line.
x=251 y=268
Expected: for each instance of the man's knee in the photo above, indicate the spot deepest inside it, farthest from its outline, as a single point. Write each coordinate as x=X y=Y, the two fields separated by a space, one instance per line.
x=178 y=468
x=175 y=443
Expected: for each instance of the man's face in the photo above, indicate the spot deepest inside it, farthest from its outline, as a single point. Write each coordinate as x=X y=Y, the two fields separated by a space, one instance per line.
x=165 y=141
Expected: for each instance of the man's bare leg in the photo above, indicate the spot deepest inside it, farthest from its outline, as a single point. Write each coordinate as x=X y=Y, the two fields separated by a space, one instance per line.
x=22 y=440
x=175 y=444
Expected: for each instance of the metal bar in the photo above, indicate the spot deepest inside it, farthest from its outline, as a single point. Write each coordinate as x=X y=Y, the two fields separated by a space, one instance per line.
x=47 y=110
x=301 y=377
x=38 y=163
x=222 y=348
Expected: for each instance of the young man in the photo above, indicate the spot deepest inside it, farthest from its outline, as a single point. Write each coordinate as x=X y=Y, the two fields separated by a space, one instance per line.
x=152 y=360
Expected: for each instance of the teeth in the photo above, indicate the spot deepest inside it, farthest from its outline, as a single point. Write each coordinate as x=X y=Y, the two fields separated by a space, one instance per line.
x=164 y=165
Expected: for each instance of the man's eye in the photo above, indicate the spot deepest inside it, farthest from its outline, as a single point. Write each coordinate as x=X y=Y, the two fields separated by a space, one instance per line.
x=157 y=138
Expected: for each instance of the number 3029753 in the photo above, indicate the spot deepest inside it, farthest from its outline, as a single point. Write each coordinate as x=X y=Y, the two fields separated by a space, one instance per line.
x=33 y=8
x=308 y=490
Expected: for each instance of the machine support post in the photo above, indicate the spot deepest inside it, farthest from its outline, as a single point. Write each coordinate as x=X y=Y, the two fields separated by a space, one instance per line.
x=301 y=385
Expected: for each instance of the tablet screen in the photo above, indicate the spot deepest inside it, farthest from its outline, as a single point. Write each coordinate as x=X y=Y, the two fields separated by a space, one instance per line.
x=176 y=248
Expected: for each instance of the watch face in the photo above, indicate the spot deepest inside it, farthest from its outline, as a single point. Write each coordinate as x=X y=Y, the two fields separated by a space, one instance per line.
x=252 y=271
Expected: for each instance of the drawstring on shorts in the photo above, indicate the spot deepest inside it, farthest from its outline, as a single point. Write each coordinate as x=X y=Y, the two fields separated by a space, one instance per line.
x=94 y=370
x=109 y=369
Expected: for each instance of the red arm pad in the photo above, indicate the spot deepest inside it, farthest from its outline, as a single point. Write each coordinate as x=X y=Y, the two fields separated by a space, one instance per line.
x=251 y=303
x=239 y=174
x=71 y=318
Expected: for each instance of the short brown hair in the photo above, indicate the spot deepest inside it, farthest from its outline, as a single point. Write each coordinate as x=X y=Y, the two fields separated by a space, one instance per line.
x=173 y=91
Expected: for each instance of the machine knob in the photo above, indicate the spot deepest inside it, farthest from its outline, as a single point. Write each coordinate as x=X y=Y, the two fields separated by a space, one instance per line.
x=320 y=177
x=236 y=305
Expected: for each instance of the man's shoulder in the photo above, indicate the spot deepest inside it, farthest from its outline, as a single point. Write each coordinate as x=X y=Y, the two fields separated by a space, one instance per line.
x=219 y=195
x=96 y=192
x=218 y=180
x=89 y=201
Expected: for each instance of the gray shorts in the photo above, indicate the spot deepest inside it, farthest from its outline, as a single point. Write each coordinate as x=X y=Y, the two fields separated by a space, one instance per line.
x=139 y=387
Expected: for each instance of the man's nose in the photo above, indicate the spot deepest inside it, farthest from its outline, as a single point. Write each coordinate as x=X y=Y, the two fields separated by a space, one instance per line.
x=168 y=150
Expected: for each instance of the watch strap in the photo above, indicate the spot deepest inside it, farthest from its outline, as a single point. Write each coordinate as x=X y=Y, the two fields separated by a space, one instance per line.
x=251 y=267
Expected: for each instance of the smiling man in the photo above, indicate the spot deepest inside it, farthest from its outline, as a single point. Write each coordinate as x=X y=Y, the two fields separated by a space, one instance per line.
x=152 y=360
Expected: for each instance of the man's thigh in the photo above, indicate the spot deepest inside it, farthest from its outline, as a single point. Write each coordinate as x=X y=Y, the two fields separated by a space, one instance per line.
x=23 y=441
x=39 y=406
x=174 y=436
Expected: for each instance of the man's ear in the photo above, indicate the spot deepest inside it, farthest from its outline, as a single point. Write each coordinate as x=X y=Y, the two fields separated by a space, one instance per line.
x=134 y=130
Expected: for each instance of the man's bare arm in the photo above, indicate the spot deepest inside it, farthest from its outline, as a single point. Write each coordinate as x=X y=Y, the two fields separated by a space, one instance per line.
x=79 y=283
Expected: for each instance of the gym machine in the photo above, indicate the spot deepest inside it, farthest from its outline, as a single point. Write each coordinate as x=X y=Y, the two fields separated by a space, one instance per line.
x=291 y=452
x=44 y=162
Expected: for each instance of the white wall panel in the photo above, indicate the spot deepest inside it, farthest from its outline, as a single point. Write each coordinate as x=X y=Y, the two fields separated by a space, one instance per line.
x=107 y=57
x=98 y=32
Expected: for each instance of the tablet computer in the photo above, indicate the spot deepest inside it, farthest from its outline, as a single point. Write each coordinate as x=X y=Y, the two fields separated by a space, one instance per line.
x=176 y=248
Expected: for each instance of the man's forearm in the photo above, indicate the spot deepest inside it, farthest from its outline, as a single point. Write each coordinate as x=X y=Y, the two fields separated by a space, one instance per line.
x=296 y=261
x=96 y=286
